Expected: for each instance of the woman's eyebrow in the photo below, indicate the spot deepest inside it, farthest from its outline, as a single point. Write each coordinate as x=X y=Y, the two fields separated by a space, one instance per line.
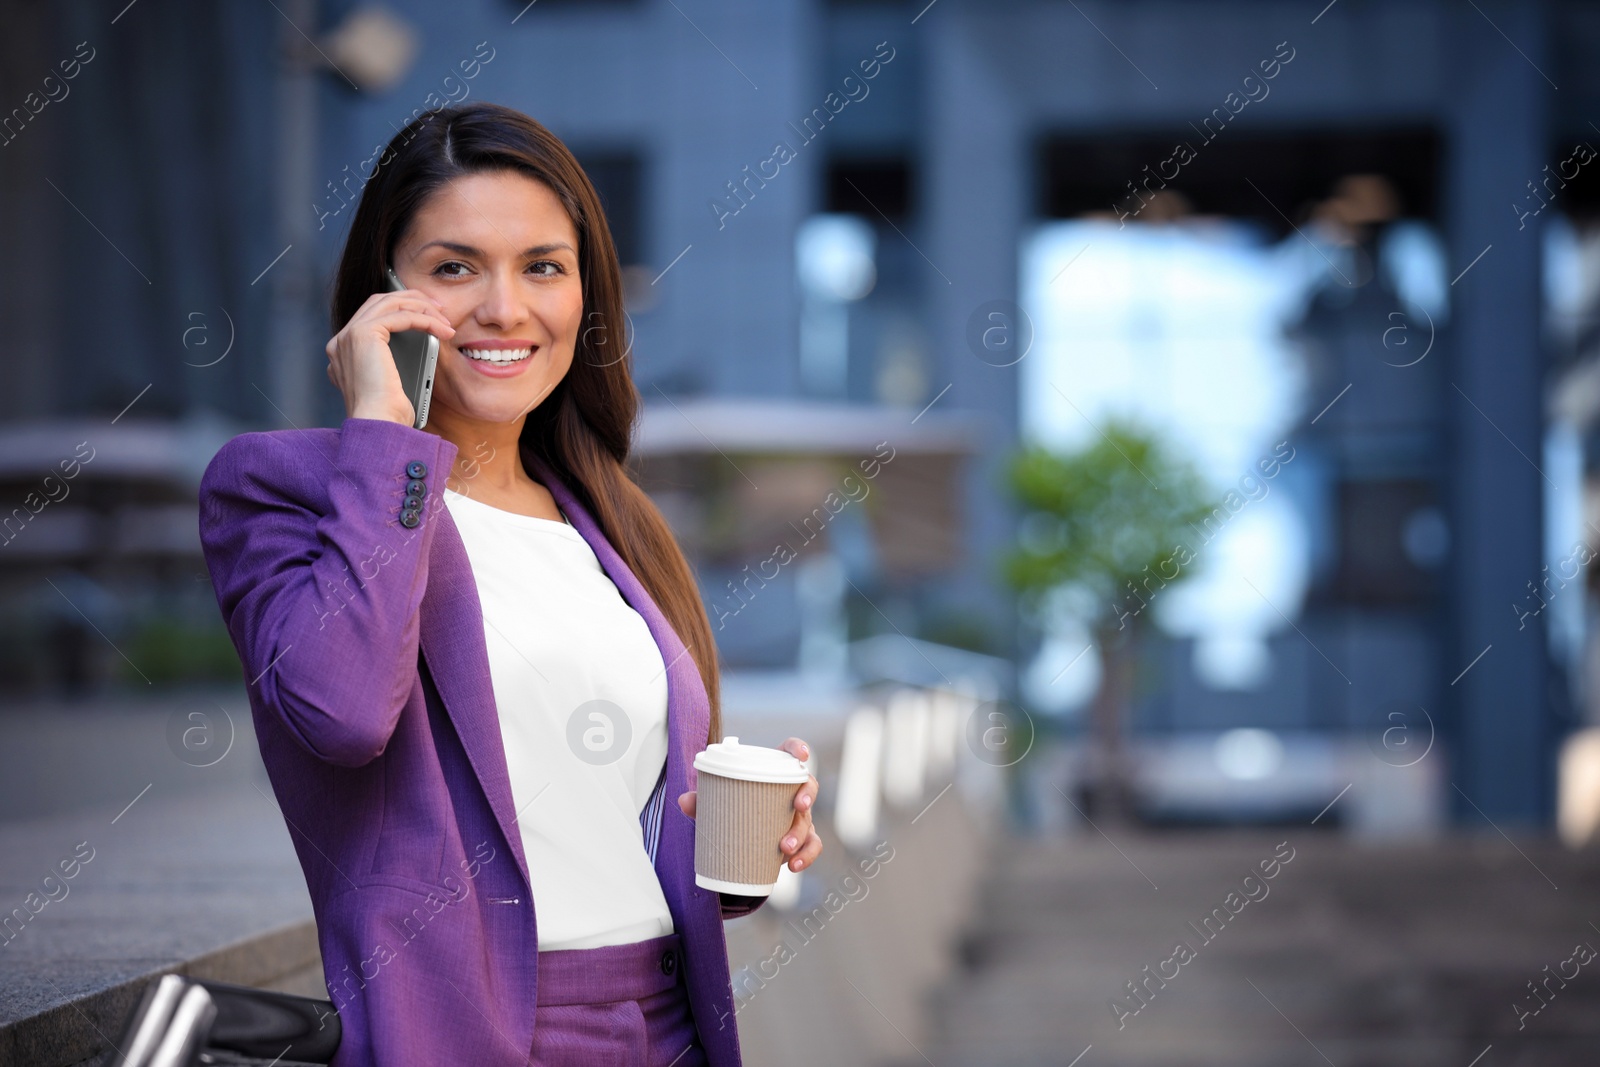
x=468 y=250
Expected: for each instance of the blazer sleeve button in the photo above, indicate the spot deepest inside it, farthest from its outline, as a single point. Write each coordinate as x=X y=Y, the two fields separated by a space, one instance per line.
x=669 y=963
x=416 y=487
x=412 y=503
x=416 y=469
x=410 y=518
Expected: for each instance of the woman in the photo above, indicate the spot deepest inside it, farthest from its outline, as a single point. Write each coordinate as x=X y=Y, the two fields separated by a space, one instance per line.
x=477 y=659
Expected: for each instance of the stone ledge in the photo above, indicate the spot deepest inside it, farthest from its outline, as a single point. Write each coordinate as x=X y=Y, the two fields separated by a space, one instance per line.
x=80 y=1032
x=181 y=869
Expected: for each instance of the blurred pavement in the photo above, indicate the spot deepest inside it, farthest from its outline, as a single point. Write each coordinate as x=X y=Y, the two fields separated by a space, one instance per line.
x=1357 y=956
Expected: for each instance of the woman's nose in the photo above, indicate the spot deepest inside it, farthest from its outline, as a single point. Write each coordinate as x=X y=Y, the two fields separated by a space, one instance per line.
x=502 y=302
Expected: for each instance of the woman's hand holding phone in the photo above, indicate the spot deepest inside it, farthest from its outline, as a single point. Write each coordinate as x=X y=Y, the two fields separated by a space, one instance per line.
x=360 y=364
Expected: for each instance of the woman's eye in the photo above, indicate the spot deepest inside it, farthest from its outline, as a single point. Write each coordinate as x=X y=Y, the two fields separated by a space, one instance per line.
x=555 y=268
x=450 y=269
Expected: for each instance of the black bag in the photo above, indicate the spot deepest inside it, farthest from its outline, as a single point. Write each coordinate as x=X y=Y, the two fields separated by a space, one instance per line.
x=182 y=1022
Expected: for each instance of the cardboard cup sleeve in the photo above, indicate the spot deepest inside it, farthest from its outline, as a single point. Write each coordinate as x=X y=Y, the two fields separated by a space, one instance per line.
x=745 y=803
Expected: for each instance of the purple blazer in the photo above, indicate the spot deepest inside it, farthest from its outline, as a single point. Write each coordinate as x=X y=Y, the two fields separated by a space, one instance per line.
x=361 y=637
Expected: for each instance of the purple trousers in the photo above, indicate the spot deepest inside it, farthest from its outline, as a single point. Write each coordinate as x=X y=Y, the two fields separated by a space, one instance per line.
x=620 y=1004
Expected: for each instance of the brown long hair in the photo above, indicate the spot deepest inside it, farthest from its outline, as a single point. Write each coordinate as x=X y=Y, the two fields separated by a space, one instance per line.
x=584 y=428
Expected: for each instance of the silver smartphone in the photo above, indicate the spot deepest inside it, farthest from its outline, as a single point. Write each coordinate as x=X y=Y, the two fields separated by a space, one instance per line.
x=416 y=354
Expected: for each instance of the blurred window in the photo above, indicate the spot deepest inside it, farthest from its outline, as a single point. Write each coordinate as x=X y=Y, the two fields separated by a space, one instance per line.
x=617 y=177
x=869 y=186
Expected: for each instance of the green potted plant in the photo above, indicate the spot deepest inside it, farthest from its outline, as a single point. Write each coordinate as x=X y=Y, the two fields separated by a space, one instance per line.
x=1110 y=522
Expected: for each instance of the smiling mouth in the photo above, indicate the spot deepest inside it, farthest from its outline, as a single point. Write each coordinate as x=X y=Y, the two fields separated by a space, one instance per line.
x=498 y=357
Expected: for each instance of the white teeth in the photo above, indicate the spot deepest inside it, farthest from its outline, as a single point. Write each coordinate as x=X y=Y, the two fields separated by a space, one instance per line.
x=497 y=355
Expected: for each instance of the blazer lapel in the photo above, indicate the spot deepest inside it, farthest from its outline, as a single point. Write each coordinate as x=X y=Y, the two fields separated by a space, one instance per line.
x=453 y=645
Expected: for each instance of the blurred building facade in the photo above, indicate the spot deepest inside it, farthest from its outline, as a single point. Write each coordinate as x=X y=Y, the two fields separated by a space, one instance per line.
x=820 y=206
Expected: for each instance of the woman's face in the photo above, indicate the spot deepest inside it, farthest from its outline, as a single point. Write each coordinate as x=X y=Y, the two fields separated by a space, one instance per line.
x=499 y=252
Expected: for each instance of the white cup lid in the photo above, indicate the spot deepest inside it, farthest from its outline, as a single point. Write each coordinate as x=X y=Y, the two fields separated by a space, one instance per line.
x=750 y=763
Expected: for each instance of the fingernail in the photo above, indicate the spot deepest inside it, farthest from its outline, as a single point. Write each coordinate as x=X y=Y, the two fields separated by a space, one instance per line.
x=805 y=801
x=788 y=844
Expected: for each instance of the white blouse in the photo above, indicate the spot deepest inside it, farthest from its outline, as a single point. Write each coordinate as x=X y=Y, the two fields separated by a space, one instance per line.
x=581 y=692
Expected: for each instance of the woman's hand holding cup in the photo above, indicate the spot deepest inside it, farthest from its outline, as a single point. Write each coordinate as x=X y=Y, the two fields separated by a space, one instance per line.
x=800 y=843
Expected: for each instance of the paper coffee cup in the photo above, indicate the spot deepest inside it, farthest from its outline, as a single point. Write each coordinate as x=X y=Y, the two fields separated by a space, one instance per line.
x=745 y=803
